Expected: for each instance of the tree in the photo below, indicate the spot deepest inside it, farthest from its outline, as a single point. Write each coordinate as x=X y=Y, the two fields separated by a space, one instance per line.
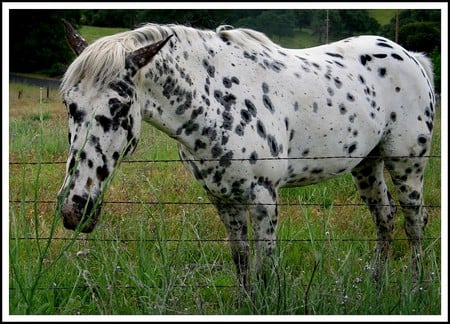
x=355 y=22
x=420 y=37
x=37 y=40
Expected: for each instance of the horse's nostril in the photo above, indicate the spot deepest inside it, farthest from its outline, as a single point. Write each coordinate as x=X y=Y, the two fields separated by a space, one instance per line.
x=82 y=203
x=80 y=212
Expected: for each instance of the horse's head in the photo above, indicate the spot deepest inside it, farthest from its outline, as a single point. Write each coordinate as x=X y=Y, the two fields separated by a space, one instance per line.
x=104 y=124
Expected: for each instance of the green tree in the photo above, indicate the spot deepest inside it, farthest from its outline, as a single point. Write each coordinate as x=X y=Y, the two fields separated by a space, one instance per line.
x=37 y=40
x=355 y=22
x=420 y=37
x=436 y=59
x=109 y=17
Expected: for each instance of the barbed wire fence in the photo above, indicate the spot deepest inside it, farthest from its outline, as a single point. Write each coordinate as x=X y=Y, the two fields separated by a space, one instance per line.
x=204 y=203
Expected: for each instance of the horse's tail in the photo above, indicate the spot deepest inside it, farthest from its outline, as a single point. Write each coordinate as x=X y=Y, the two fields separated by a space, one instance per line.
x=427 y=65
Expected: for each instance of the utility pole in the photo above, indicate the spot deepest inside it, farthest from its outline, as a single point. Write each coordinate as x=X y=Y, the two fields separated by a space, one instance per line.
x=397 y=24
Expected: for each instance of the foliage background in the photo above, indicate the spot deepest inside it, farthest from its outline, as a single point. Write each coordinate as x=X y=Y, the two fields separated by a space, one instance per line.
x=39 y=44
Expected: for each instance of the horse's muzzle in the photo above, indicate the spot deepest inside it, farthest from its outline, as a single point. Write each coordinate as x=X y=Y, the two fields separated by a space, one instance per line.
x=80 y=212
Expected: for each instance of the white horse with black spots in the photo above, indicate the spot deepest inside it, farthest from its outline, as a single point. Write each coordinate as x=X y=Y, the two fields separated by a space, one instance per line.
x=252 y=117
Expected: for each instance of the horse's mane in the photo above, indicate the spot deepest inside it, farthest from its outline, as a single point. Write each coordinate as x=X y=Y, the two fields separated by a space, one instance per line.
x=101 y=61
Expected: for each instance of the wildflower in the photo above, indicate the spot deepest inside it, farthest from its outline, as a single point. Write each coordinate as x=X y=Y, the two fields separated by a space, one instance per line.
x=83 y=253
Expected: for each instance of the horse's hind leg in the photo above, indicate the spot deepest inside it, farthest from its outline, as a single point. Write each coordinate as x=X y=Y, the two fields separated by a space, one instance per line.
x=369 y=178
x=263 y=216
x=407 y=176
x=234 y=217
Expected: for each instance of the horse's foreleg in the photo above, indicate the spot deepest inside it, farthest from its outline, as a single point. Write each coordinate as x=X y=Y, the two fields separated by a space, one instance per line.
x=234 y=217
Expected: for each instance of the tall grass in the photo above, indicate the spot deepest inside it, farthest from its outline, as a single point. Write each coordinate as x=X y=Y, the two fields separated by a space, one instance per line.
x=170 y=259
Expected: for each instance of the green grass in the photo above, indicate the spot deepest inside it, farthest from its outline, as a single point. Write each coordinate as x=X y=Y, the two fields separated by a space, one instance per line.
x=173 y=259
x=383 y=16
x=91 y=33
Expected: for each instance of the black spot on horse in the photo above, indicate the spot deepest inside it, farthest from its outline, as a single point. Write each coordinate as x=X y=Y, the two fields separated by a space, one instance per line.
x=209 y=68
x=199 y=145
x=76 y=114
x=393 y=116
x=117 y=108
x=365 y=58
x=382 y=72
x=226 y=100
x=123 y=88
x=169 y=87
x=397 y=57
x=415 y=195
x=422 y=140
x=227 y=82
x=102 y=172
x=335 y=55
x=253 y=157
x=217 y=177
x=351 y=148
x=268 y=103
x=227 y=120
x=277 y=66
x=246 y=116
x=209 y=132
x=384 y=45
x=260 y=129
x=337 y=82
x=216 y=151
x=251 y=107
x=249 y=56
x=225 y=160
x=189 y=127
x=239 y=130
x=315 y=107
x=105 y=122
x=273 y=145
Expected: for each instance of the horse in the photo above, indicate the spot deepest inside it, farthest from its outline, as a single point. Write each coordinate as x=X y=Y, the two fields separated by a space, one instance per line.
x=252 y=117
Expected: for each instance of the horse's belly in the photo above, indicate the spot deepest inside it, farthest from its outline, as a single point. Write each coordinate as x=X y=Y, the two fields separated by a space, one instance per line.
x=303 y=172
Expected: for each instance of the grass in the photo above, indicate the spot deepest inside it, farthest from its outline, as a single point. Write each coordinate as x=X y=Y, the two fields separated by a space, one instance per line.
x=172 y=259
x=91 y=33
x=383 y=16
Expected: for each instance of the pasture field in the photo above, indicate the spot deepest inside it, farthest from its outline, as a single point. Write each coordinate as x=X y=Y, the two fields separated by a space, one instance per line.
x=160 y=248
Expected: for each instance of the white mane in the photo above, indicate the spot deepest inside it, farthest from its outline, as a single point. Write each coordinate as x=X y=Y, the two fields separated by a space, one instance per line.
x=101 y=61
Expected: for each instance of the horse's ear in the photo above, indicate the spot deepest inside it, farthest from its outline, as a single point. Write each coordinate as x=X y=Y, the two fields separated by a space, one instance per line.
x=76 y=42
x=143 y=55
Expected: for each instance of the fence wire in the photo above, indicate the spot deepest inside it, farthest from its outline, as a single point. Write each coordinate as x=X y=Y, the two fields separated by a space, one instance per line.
x=200 y=203
x=242 y=159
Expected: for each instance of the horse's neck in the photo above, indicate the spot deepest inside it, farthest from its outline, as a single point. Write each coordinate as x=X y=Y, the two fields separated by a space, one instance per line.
x=171 y=92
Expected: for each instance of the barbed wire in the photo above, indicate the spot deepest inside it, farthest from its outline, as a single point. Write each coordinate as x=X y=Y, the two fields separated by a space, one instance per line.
x=278 y=240
x=203 y=286
x=324 y=204
x=240 y=159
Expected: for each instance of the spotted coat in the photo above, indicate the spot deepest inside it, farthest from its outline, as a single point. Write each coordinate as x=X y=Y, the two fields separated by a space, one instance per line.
x=252 y=117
